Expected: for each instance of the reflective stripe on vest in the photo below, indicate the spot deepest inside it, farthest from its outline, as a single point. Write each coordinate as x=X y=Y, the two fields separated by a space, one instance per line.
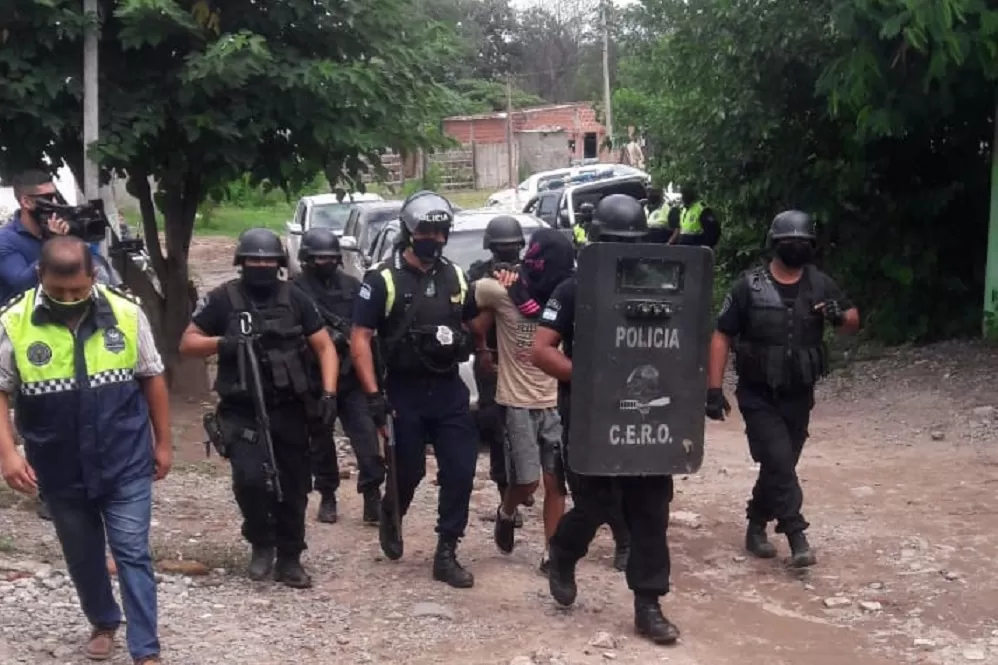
x=690 y=224
x=386 y=275
x=579 y=234
x=658 y=217
x=44 y=354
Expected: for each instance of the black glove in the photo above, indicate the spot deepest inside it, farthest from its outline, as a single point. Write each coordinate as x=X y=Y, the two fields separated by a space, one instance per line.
x=377 y=406
x=327 y=409
x=717 y=404
x=833 y=313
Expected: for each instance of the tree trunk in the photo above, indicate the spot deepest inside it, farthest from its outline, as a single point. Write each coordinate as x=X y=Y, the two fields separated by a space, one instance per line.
x=170 y=313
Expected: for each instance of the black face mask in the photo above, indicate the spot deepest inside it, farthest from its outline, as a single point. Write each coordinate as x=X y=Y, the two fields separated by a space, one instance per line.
x=506 y=254
x=795 y=254
x=323 y=271
x=427 y=250
x=260 y=278
x=66 y=311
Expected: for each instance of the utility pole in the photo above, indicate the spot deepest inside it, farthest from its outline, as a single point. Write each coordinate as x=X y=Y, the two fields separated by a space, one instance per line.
x=509 y=135
x=990 y=328
x=607 y=104
x=91 y=117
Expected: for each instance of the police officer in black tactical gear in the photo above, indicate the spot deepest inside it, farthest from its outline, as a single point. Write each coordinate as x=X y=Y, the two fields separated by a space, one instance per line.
x=617 y=218
x=774 y=317
x=504 y=239
x=418 y=302
x=333 y=292
x=261 y=313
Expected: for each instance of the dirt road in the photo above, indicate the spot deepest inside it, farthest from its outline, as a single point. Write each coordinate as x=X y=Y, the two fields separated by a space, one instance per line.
x=900 y=478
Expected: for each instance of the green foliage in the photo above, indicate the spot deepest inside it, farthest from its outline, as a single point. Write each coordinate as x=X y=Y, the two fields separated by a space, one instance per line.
x=196 y=94
x=478 y=96
x=873 y=116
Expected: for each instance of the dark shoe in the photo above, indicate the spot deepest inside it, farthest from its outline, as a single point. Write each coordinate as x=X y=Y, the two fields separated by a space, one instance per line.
x=372 y=503
x=43 y=511
x=545 y=566
x=446 y=567
x=391 y=539
x=801 y=555
x=100 y=646
x=757 y=543
x=621 y=553
x=261 y=563
x=518 y=519
x=327 y=509
x=148 y=660
x=529 y=501
x=561 y=579
x=504 y=532
x=651 y=623
x=290 y=572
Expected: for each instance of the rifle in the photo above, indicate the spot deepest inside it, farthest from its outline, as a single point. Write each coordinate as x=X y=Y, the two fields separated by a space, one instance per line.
x=248 y=361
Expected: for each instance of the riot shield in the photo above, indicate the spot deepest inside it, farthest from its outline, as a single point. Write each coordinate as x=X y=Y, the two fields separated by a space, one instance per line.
x=639 y=368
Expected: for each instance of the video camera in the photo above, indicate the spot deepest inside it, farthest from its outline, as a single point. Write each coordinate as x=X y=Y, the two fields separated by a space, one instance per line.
x=88 y=222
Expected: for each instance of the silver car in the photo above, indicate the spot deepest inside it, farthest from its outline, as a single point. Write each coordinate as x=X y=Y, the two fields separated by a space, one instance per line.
x=320 y=210
x=464 y=247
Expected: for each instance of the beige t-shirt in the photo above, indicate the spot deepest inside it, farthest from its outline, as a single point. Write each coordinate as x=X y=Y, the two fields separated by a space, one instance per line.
x=521 y=384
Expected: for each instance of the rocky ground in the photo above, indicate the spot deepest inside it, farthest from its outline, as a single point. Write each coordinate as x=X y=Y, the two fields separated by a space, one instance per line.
x=900 y=476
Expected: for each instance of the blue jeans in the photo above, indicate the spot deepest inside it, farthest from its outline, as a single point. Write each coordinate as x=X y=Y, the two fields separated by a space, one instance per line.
x=124 y=514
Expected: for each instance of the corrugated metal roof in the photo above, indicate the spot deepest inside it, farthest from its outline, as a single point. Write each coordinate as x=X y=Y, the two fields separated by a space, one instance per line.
x=501 y=115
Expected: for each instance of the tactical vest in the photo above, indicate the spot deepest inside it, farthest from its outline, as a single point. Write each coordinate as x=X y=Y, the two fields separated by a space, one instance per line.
x=579 y=235
x=689 y=223
x=80 y=408
x=658 y=217
x=336 y=308
x=782 y=347
x=435 y=341
x=280 y=345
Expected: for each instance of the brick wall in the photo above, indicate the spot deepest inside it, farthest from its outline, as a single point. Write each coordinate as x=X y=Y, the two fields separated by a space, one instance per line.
x=576 y=120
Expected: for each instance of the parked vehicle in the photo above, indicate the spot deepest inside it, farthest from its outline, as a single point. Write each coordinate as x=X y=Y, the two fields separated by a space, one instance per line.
x=360 y=231
x=465 y=246
x=515 y=199
x=559 y=207
x=321 y=210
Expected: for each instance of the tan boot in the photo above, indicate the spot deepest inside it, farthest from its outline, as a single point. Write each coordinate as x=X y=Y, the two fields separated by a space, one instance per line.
x=100 y=646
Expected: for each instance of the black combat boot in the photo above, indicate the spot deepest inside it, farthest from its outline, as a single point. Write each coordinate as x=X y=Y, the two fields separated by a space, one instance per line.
x=261 y=563
x=446 y=567
x=621 y=553
x=756 y=541
x=801 y=555
x=290 y=572
x=561 y=578
x=372 y=502
x=651 y=623
x=327 y=509
x=390 y=537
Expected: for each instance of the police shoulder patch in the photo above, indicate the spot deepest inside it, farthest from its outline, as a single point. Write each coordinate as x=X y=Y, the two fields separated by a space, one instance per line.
x=365 y=292
x=551 y=310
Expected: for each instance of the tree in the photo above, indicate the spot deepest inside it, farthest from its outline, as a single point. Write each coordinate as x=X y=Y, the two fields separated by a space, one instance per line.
x=871 y=115
x=195 y=94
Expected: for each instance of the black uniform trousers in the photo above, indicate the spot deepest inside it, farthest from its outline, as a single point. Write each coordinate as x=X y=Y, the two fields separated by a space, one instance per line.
x=642 y=503
x=776 y=427
x=267 y=522
x=490 y=420
x=359 y=428
x=435 y=409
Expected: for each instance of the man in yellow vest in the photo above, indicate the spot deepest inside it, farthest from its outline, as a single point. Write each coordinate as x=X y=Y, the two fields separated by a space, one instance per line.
x=698 y=224
x=83 y=362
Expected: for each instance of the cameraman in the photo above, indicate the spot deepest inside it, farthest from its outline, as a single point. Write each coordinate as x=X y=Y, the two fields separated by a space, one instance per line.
x=22 y=237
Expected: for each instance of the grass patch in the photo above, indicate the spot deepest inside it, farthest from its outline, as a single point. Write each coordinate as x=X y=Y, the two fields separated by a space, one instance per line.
x=7 y=545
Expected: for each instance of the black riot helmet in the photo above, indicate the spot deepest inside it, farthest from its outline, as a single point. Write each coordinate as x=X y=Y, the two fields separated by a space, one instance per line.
x=618 y=218
x=259 y=243
x=319 y=242
x=791 y=225
x=503 y=230
x=426 y=211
